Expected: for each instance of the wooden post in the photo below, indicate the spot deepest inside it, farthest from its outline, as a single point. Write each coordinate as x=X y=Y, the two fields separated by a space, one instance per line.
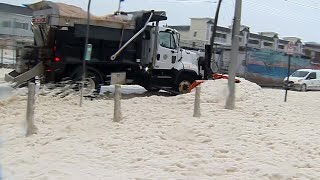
x=1 y=56
x=287 y=81
x=232 y=70
x=117 y=116
x=31 y=128
x=196 y=111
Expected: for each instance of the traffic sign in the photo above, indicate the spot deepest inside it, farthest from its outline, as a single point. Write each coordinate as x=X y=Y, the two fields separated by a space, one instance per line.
x=88 y=52
x=290 y=48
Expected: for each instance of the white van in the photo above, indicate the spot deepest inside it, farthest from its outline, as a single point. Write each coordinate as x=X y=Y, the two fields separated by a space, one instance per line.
x=304 y=79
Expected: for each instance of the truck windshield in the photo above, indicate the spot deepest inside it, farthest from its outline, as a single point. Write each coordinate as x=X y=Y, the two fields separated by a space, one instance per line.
x=300 y=74
x=167 y=40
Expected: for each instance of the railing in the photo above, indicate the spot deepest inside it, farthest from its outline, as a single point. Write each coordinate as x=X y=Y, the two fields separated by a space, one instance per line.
x=7 y=61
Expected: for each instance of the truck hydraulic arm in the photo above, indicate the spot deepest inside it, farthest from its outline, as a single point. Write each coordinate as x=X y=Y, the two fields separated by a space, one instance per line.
x=113 y=57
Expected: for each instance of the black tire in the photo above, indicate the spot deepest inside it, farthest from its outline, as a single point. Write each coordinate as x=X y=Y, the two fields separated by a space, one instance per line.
x=145 y=81
x=148 y=86
x=26 y=59
x=96 y=78
x=303 y=88
x=184 y=83
x=151 y=89
x=93 y=79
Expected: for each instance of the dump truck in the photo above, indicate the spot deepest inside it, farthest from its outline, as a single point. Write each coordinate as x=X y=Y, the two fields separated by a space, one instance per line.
x=128 y=44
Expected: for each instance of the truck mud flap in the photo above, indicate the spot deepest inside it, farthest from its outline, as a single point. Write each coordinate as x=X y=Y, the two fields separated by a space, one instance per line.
x=19 y=78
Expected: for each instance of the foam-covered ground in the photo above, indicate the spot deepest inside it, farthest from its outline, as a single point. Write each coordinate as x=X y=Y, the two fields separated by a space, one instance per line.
x=263 y=138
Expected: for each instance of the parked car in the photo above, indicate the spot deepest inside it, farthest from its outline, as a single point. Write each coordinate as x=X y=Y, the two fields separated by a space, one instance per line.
x=304 y=80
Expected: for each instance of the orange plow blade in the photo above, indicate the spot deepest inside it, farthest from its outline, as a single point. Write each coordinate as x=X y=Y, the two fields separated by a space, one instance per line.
x=214 y=76
x=222 y=76
x=195 y=84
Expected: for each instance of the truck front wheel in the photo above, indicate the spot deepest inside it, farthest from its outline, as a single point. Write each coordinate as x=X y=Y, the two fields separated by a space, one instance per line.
x=184 y=83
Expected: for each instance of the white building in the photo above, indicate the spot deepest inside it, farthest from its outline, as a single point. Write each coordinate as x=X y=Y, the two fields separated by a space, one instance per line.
x=15 y=31
x=198 y=34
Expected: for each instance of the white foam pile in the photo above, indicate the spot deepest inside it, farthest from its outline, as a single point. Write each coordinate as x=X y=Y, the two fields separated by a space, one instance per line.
x=125 y=89
x=263 y=138
x=3 y=71
x=5 y=88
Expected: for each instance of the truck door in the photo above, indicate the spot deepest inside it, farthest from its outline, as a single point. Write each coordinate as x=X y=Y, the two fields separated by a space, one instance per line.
x=167 y=51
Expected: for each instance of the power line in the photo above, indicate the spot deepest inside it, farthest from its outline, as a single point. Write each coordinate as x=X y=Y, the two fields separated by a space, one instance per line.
x=186 y=1
x=314 y=1
x=195 y=1
x=303 y=5
x=276 y=12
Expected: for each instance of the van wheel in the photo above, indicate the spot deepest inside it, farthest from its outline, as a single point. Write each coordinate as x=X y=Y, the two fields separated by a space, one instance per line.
x=303 y=88
x=184 y=83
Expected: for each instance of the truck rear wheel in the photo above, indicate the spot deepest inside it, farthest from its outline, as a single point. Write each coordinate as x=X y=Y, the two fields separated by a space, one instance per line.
x=184 y=83
x=93 y=81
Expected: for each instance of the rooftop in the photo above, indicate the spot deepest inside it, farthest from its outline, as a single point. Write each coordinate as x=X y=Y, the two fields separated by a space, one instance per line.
x=204 y=18
x=8 y=8
x=281 y=41
x=312 y=45
x=180 y=28
x=224 y=29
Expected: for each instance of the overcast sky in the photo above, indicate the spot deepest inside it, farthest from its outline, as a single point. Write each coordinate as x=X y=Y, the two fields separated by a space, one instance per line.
x=287 y=17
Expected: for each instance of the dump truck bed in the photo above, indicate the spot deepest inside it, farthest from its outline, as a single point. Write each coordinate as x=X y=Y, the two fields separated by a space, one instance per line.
x=60 y=14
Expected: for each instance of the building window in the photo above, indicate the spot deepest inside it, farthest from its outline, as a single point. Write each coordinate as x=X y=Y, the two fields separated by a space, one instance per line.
x=281 y=46
x=267 y=44
x=21 y=25
x=209 y=32
x=222 y=38
x=253 y=41
x=193 y=44
x=6 y=24
x=219 y=35
x=240 y=39
x=195 y=34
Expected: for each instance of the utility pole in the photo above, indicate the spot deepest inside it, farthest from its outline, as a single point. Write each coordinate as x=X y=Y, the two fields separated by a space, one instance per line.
x=1 y=47
x=84 y=57
x=213 y=35
x=119 y=6
x=287 y=81
x=230 y=103
x=214 y=32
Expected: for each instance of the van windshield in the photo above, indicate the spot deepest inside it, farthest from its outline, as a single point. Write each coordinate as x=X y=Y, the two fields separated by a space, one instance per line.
x=300 y=74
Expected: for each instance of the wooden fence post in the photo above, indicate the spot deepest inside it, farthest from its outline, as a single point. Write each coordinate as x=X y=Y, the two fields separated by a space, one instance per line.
x=31 y=128
x=117 y=116
x=196 y=111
